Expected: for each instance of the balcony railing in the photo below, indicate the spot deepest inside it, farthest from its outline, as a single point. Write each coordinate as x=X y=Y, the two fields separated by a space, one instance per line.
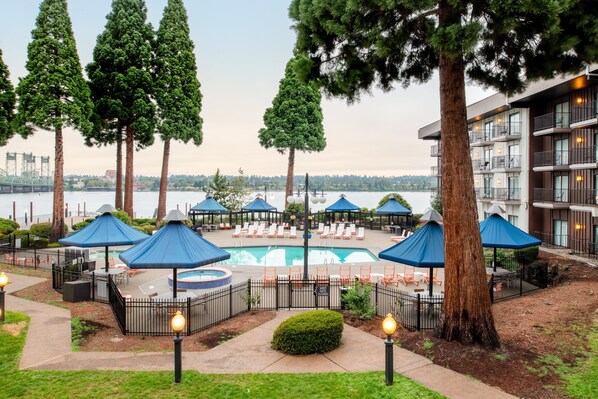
x=506 y=162
x=551 y=120
x=506 y=130
x=584 y=112
x=583 y=196
x=436 y=150
x=552 y=240
x=551 y=195
x=583 y=155
x=479 y=136
x=436 y=170
x=484 y=193
x=507 y=194
x=483 y=164
x=551 y=158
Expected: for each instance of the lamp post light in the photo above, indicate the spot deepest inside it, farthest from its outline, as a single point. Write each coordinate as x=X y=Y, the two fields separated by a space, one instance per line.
x=3 y=282
x=306 y=189
x=178 y=324
x=389 y=325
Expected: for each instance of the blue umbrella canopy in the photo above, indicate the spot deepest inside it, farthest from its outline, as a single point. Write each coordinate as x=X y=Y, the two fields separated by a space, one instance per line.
x=342 y=205
x=500 y=233
x=209 y=205
x=424 y=248
x=107 y=230
x=393 y=207
x=258 y=205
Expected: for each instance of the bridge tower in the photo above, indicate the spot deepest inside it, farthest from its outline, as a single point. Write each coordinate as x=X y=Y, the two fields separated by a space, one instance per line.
x=28 y=166
x=11 y=164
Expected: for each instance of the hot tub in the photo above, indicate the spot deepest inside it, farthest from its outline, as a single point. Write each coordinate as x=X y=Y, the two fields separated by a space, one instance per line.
x=202 y=278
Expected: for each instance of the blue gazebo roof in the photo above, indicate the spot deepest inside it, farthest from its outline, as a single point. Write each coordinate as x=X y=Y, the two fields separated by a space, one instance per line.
x=173 y=246
x=258 y=205
x=342 y=205
x=424 y=248
x=106 y=230
x=209 y=205
x=499 y=233
x=393 y=207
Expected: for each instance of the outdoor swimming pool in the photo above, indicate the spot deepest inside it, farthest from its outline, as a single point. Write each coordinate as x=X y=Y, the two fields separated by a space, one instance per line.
x=282 y=255
x=202 y=278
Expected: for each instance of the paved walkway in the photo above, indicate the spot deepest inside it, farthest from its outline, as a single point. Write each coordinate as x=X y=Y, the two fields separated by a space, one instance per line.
x=48 y=348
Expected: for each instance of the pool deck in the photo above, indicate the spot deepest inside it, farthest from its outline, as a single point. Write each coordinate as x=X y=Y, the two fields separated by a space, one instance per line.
x=148 y=281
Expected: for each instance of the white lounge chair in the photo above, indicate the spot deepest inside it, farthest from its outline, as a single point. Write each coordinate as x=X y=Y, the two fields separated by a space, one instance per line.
x=326 y=232
x=250 y=231
x=360 y=234
x=333 y=229
x=237 y=232
x=352 y=227
x=293 y=232
x=280 y=232
x=260 y=231
x=339 y=233
x=348 y=234
x=320 y=228
x=272 y=231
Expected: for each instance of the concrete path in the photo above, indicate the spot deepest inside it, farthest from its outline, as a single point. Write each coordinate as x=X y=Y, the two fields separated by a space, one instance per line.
x=48 y=348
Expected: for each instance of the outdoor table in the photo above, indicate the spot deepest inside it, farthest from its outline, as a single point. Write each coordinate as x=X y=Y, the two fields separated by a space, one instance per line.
x=395 y=228
x=501 y=275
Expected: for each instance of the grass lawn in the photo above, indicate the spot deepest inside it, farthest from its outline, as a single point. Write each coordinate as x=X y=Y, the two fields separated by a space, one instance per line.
x=136 y=384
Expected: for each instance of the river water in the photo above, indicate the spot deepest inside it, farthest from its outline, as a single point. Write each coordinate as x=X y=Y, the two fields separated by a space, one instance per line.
x=145 y=203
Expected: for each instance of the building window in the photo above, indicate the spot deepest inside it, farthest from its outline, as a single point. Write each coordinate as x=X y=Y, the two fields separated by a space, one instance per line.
x=560 y=233
x=514 y=156
x=514 y=188
x=488 y=130
x=561 y=189
x=514 y=123
x=487 y=158
x=514 y=220
x=561 y=115
x=561 y=152
x=487 y=193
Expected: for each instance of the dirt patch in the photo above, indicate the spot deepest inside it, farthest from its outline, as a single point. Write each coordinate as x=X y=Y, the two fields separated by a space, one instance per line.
x=14 y=329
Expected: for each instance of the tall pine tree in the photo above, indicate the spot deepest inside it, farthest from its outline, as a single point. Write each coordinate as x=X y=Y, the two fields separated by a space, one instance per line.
x=7 y=104
x=355 y=44
x=294 y=122
x=54 y=94
x=177 y=88
x=122 y=85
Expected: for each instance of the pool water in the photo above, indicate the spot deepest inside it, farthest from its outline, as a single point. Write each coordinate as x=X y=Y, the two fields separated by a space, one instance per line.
x=280 y=255
x=209 y=274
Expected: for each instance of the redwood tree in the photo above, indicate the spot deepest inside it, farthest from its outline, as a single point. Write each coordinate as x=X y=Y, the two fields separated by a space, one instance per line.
x=177 y=88
x=122 y=85
x=294 y=122
x=53 y=94
x=7 y=104
x=356 y=44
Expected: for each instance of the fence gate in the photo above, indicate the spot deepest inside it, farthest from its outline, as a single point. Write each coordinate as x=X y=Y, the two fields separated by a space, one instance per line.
x=302 y=294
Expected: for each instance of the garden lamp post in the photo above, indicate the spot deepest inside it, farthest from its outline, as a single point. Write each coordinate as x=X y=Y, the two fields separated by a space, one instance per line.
x=306 y=189
x=178 y=324
x=3 y=282
x=389 y=325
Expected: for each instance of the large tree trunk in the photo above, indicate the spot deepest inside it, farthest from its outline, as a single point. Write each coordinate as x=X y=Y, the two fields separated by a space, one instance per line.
x=58 y=206
x=466 y=314
x=290 y=173
x=130 y=147
x=163 y=181
x=118 y=200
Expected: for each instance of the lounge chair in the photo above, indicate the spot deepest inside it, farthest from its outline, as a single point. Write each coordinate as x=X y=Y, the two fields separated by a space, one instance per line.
x=352 y=228
x=389 y=276
x=339 y=233
x=322 y=275
x=280 y=232
x=360 y=234
x=272 y=231
x=333 y=229
x=227 y=226
x=365 y=274
x=408 y=276
x=326 y=232
x=269 y=276
x=221 y=226
x=435 y=279
x=237 y=232
x=346 y=277
x=341 y=227
x=245 y=226
x=250 y=232
x=320 y=228
x=347 y=235
x=498 y=290
x=293 y=232
x=260 y=231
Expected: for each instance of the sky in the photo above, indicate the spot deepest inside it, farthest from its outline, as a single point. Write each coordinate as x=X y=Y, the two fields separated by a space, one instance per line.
x=241 y=48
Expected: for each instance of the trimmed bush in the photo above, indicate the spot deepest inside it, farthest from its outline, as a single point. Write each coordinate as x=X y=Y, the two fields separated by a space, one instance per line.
x=41 y=243
x=316 y=331
x=41 y=230
x=8 y=226
x=123 y=216
x=80 y=225
x=526 y=255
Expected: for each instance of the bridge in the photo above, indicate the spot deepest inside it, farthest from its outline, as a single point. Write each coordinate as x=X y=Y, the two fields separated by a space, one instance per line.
x=25 y=173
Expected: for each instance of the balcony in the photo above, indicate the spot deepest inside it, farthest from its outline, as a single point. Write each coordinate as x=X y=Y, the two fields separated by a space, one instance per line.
x=484 y=193
x=482 y=165
x=507 y=131
x=551 y=198
x=507 y=163
x=436 y=170
x=436 y=150
x=584 y=115
x=583 y=196
x=480 y=138
x=554 y=122
x=582 y=157
x=547 y=161
x=507 y=194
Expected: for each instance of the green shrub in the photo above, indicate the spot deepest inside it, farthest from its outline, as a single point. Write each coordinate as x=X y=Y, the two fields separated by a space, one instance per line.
x=42 y=230
x=316 y=331
x=54 y=245
x=8 y=226
x=359 y=301
x=41 y=243
x=143 y=221
x=80 y=225
x=526 y=255
x=123 y=216
x=146 y=228
x=89 y=220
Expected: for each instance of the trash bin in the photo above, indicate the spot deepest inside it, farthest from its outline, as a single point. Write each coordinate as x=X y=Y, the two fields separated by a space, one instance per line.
x=344 y=290
x=76 y=291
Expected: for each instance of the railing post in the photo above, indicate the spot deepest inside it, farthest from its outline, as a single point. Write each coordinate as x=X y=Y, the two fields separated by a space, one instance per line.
x=230 y=301
x=248 y=294
x=376 y=297
x=34 y=258
x=418 y=323
x=276 y=292
x=189 y=316
x=522 y=279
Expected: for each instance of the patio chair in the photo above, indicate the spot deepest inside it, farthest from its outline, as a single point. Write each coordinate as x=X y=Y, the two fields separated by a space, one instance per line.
x=221 y=226
x=280 y=232
x=237 y=232
x=435 y=279
x=389 y=276
x=341 y=227
x=260 y=231
x=333 y=229
x=498 y=290
x=250 y=232
x=293 y=232
x=365 y=274
x=346 y=277
x=408 y=276
x=320 y=228
x=295 y=276
x=227 y=226
x=269 y=276
x=347 y=235
x=352 y=228
x=360 y=234
x=326 y=232
x=272 y=231
x=322 y=275
x=339 y=233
